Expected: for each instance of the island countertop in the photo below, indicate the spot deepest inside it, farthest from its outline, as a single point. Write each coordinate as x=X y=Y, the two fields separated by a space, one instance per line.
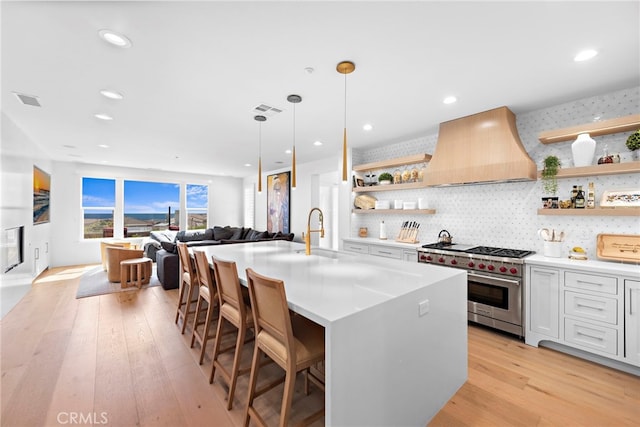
x=329 y=285
x=395 y=331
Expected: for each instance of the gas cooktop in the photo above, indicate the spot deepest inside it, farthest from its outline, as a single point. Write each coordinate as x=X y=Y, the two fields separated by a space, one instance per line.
x=479 y=250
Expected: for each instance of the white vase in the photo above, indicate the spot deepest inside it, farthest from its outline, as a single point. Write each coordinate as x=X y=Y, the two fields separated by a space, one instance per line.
x=583 y=150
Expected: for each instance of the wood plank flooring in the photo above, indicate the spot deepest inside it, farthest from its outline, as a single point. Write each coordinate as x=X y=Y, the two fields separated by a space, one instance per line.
x=120 y=360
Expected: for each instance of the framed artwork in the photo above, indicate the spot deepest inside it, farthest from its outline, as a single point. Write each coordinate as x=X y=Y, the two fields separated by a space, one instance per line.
x=41 y=190
x=358 y=181
x=278 y=202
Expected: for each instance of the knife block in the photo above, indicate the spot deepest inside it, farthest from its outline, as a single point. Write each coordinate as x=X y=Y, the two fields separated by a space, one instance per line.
x=407 y=240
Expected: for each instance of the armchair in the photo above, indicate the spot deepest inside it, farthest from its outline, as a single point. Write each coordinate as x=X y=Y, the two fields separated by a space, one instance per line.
x=116 y=254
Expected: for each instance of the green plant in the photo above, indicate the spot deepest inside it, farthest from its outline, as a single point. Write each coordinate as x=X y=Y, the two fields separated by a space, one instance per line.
x=633 y=142
x=549 y=181
x=385 y=176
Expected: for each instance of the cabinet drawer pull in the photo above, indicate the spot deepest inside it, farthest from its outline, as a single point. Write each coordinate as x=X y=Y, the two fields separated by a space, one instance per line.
x=590 y=336
x=589 y=306
x=630 y=302
x=589 y=283
x=386 y=253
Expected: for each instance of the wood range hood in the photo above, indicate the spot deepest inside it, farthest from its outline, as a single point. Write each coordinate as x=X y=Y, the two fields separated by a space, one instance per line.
x=480 y=148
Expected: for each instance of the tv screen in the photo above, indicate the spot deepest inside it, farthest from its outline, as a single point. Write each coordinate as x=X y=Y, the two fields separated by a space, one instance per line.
x=11 y=248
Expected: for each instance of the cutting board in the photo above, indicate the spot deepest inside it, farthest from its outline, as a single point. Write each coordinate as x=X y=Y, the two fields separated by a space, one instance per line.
x=619 y=247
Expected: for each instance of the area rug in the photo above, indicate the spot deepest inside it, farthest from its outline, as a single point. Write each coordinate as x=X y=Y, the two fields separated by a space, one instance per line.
x=94 y=282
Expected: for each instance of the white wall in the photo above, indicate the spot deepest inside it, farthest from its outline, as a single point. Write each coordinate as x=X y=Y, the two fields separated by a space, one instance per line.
x=505 y=214
x=18 y=155
x=67 y=244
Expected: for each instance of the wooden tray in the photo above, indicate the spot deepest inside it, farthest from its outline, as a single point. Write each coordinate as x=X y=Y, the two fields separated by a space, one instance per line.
x=619 y=247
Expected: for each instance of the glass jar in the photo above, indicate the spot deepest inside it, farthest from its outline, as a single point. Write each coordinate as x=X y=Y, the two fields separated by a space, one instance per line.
x=414 y=174
x=406 y=175
x=397 y=176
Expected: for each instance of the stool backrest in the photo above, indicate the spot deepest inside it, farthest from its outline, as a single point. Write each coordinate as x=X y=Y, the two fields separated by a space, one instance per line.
x=271 y=314
x=228 y=284
x=204 y=274
x=187 y=268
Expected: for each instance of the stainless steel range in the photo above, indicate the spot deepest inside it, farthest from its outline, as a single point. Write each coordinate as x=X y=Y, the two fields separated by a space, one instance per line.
x=495 y=281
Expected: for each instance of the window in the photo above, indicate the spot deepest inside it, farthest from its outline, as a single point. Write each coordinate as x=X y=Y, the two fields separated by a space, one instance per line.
x=148 y=206
x=98 y=203
x=197 y=204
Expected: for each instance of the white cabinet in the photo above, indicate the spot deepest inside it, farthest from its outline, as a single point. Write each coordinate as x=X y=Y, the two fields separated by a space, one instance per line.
x=593 y=310
x=381 y=248
x=544 y=310
x=632 y=321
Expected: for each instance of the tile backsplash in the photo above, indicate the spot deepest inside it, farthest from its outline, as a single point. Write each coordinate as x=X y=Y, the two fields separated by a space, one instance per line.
x=505 y=214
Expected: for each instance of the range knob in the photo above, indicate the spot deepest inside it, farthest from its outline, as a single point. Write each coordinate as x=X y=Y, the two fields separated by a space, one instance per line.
x=428 y=258
x=441 y=260
x=491 y=267
x=481 y=266
x=454 y=262
x=513 y=270
x=503 y=269
x=471 y=264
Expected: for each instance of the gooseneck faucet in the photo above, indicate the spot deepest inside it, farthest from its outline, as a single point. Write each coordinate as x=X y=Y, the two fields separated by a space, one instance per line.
x=307 y=237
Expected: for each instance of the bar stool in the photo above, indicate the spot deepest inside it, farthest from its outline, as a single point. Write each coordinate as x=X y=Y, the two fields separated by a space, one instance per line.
x=294 y=343
x=207 y=293
x=188 y=286
x=233 y=310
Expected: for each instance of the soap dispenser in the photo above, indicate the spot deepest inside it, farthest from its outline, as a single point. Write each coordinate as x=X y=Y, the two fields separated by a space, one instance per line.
x=383 y=231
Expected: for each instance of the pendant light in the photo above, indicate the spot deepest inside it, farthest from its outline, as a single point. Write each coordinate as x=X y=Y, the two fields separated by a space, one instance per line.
x=294 y=99
x=260 y=119
x=345 y=67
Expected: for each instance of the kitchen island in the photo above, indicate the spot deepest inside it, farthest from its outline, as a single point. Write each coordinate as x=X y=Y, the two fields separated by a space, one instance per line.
x=395 y=332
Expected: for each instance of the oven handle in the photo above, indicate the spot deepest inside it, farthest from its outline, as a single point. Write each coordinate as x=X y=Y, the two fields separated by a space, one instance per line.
x=493 y=280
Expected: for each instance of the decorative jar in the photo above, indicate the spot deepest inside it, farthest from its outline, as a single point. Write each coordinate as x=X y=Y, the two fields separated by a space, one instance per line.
x=583 y=150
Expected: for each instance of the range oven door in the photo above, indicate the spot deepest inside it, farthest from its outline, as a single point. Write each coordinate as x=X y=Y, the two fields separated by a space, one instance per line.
x=495 y=302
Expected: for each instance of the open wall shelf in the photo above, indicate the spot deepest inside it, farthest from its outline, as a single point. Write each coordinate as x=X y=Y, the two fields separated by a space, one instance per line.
x=605 y=127
x=395 y=211
x=598 y=170
x=625 y=211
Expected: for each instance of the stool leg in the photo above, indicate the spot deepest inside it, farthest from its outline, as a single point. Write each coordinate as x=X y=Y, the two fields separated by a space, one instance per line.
x=139 y=275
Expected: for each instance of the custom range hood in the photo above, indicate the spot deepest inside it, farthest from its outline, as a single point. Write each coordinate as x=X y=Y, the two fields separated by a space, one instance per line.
x=480 y=148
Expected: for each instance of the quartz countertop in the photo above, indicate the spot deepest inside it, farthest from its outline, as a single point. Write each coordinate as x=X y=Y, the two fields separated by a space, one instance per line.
x=329 y=285
x=590 y=265
x=388 y=242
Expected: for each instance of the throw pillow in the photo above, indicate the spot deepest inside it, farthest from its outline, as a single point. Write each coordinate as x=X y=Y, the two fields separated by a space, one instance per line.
x=170 y=247
x=237 y=233
x=221 y=233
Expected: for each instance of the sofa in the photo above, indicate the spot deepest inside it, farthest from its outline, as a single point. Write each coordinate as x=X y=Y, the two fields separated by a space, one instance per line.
x=162 y=246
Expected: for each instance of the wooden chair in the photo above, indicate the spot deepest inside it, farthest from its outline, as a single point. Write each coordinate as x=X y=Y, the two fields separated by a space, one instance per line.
x=294 y=343
x=188 y=286
x=207 y=293
x=233 y=310
x=115 y=254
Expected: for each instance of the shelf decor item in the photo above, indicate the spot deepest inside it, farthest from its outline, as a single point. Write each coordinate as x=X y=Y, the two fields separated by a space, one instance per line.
x=385 y=178
x=620 y=198
x=633 y=144
x=583 y=149
x=549 y=181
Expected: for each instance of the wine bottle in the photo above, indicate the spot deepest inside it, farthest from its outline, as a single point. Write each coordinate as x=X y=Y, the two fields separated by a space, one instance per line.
x=580 y=198
x=591 y=196
x=574 y=193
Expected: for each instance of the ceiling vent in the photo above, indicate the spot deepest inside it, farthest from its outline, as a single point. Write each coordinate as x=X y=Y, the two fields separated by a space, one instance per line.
x=267 y=110
x=28 y=99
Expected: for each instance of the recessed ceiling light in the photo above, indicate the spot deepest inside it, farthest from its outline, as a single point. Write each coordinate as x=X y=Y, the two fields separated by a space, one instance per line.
x=585 y=55
x=114 y=38
x=287 y=151
x=247 y=164
x=103 y=116
x=367 y=127
x=111 y=94
x=103 y=146
x=450 y=100
x=317 y=143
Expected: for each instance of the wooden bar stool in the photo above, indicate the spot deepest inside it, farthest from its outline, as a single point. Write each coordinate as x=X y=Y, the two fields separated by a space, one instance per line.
x=135 y=272
x=294 y=343
x=188 y=286
x=207 y=294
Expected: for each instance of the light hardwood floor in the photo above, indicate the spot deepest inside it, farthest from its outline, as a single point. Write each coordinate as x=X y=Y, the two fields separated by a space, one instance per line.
x=119 y=360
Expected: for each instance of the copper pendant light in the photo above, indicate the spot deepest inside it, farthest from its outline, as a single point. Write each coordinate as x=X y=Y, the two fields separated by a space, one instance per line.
x=260 y=119
x=345 y=67
x=294 y=99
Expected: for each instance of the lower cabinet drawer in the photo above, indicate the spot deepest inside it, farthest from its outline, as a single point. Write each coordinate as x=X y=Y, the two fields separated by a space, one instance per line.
x=591 y=282
x=355 y=247
x=386 y=251
x=591 y=307
x=591 y=336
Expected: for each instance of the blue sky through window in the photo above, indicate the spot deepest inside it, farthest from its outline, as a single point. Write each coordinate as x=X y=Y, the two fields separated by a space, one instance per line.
x=98 y=193
x=150 y=197
x=197 y=196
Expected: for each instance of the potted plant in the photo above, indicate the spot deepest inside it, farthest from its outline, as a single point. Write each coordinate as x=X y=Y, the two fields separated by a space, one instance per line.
x=633 y=143
x=385 y=178
x=549 y=181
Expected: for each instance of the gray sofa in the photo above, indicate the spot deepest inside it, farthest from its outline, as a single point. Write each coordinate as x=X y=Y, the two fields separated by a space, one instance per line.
x=162 y=247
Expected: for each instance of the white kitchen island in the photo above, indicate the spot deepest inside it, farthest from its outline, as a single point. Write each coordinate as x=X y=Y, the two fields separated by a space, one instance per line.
x=395 y=332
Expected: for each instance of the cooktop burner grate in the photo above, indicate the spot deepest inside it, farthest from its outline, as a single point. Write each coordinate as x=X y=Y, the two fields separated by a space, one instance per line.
x=503 y=252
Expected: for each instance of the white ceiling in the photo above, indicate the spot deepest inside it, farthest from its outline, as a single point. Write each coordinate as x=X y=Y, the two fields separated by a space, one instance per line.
x=196 y=70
